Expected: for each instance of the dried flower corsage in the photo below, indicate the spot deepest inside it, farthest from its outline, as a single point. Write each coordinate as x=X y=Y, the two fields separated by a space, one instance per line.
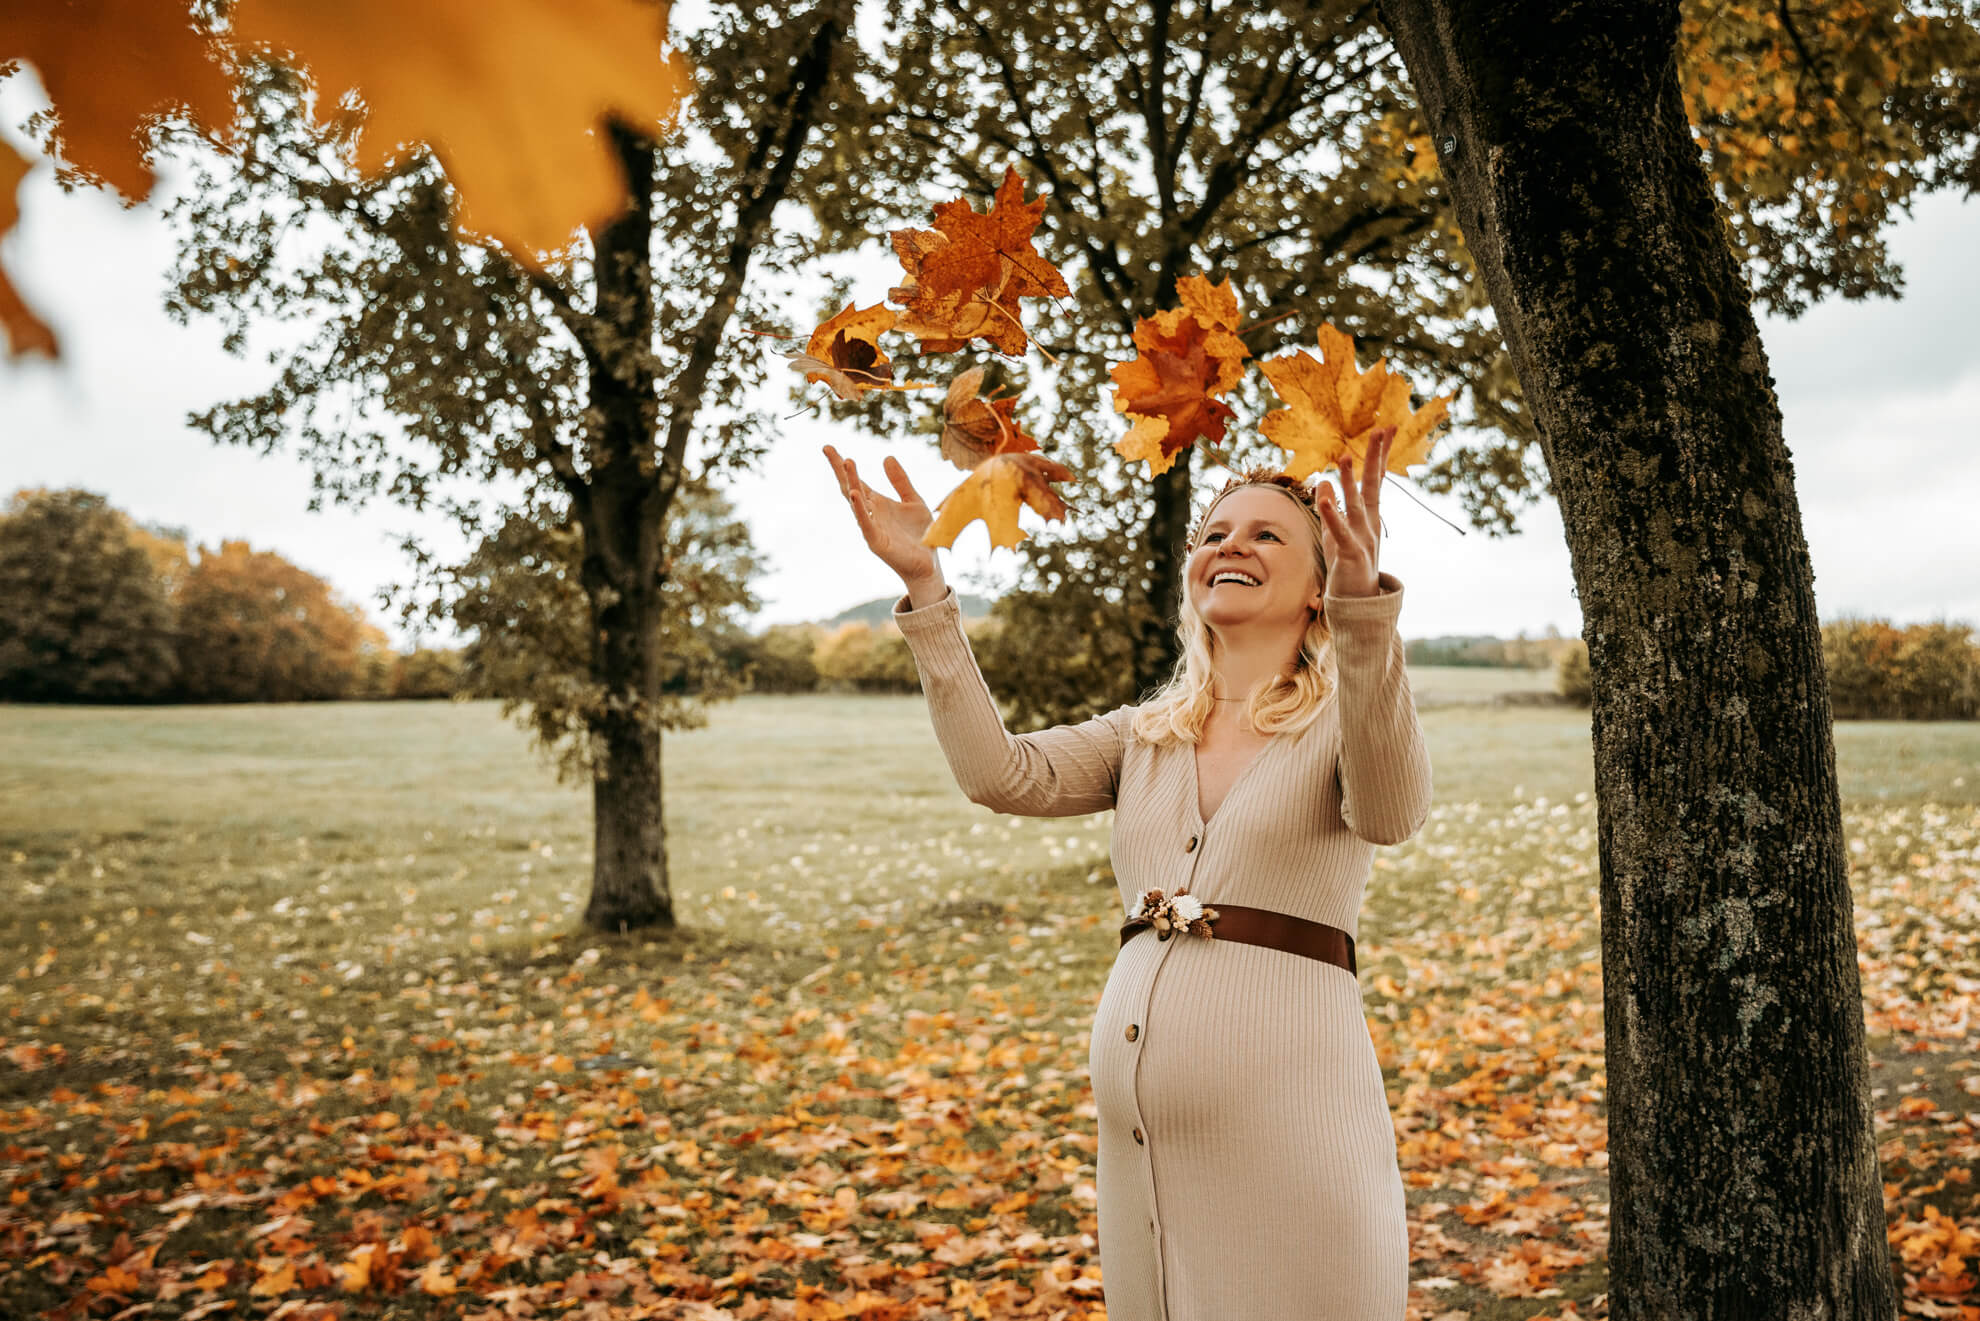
x=1181 y=911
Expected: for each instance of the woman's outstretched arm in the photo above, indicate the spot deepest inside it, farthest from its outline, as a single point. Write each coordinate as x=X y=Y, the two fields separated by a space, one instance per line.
x=1384 y=765
x=1067 y=770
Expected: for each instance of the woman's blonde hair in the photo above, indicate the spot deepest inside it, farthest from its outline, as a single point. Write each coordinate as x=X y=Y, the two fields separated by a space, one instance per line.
x=1177 y=711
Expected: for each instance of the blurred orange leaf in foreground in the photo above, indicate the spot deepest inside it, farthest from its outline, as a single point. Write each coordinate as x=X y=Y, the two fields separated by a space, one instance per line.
x=509 y=95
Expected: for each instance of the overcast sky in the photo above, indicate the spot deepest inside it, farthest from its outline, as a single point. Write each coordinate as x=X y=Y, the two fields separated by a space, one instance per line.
x=1881 y=400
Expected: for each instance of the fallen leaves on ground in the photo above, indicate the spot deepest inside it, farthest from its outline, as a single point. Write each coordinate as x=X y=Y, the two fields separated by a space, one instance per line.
x=891 y=1121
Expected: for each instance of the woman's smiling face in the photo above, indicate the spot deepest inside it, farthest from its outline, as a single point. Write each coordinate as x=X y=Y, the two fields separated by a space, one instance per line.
x=1256 y=531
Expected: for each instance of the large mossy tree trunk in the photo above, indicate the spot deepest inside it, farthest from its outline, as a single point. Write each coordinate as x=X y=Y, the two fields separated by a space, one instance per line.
x=1743 y=1166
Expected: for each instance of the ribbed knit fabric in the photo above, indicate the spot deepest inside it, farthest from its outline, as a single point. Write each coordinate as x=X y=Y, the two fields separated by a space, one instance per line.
x=1247 y=1167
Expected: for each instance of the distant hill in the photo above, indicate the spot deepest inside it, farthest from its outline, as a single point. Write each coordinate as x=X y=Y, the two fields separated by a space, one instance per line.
x=878 y=611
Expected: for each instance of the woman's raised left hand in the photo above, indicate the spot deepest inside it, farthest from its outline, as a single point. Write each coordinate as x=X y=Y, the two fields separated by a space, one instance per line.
x=1351 y=532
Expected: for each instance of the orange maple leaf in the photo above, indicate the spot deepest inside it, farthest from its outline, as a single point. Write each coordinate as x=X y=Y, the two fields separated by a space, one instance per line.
x=974 y=428
x=1188 y=355
x=1168 y=393
x=844 y=353
x=965 y=276
x=945 y=323
x=26 y=332
x=108 y=66
x=1333 y=408
x=993 y=492
x=510 y=94
x=992 y=248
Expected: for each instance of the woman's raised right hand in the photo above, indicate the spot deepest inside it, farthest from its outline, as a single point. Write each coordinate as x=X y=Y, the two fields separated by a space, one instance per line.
x=892 y=528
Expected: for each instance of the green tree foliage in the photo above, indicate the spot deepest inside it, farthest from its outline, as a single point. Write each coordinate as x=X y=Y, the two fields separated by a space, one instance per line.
x=437 y=368
x=520 y=596
x=427 y=673
x=84 y=615
x=1281 y=146
x=781 y=659
x=1571 y=678
x=256 y=628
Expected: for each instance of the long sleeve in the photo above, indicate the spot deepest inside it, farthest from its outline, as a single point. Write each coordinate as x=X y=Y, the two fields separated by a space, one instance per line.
x=1068 y=770
x=1384 y=763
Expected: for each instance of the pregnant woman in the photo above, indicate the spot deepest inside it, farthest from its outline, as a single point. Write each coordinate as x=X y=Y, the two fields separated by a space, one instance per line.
x=1247 y=1167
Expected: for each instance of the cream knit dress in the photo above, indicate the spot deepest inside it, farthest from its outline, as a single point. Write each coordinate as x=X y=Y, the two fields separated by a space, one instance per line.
x=1247 y=1167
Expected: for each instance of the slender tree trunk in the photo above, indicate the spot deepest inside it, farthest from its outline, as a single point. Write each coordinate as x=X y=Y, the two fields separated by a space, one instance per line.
x=629 y=831
x=1155 y=652
x=1743 y=1166
x=621 y=570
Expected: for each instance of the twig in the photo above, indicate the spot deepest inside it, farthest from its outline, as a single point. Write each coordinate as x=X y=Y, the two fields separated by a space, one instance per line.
x=1022 y=331
x=1256 y=325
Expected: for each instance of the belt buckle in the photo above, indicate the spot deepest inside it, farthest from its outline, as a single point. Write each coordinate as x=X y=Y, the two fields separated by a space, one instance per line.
x=1168 y=914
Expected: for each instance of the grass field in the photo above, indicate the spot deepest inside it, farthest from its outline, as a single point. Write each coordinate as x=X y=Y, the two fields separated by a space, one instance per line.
x=318 y=967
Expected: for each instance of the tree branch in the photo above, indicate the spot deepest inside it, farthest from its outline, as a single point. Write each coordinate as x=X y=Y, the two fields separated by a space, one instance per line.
x=808 y=80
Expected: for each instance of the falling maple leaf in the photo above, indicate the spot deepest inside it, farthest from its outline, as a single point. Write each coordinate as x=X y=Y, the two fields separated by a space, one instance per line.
x=1333 y=408
x=965 y=276
x=992 y=247
x=107 y=67
x=511 y=95
x=844 y=353
x=1188 y=355
x=945 y=323
x=974 y=428
x=993 y=492
x=26 y=332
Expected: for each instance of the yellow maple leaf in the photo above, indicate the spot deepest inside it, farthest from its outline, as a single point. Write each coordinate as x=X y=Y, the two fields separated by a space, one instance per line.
x=510 y=94
x=993 y=492
x=1214 y=309
x=1333 y=408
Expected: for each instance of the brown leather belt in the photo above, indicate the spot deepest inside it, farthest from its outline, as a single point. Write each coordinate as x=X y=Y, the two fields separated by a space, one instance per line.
x=1262 y=926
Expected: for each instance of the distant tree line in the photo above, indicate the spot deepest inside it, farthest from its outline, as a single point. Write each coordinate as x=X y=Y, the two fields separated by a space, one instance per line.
x=1877 y=671
x=96 y=607
x=1520 y=652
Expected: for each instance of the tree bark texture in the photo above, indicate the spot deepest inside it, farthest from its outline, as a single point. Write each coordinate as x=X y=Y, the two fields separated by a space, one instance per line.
x=1743 y=1169
x=621 y=568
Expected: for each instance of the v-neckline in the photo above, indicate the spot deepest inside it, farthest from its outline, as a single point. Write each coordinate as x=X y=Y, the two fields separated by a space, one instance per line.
x=1196 y=781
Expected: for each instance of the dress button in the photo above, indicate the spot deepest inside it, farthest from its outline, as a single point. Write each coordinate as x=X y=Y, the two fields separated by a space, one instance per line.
x=1191 y=846
x=1133 y=1031
x=1139 y=1140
